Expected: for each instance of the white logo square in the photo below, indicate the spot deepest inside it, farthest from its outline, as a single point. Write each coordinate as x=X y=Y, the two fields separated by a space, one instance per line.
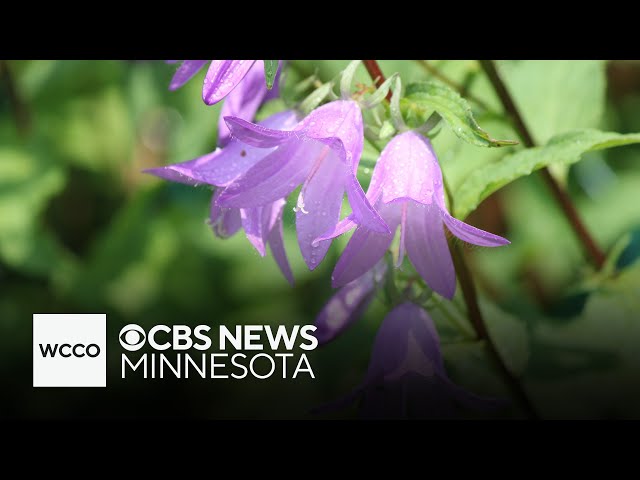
x=69 y=350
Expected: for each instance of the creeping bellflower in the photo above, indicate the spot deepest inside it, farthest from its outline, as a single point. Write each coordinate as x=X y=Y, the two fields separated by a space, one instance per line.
x=406 y=189
x=242 y=82
x=348 y=303
x=322 y=154
x=406 y=375
x=262 y=223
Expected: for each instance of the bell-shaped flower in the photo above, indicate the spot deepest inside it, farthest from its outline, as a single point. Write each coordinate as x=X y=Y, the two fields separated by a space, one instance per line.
x=322 y=154
x=407 y=190
x=406 y=375
x=242 y=82
x=263 y=223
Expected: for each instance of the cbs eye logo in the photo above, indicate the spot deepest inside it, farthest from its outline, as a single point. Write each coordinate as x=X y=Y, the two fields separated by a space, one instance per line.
x=132 y=337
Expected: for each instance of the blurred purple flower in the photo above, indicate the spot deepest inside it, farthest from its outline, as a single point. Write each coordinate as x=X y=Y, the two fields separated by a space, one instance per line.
x=406 y=189
x=348 y=304
x=406 y=375
x=242 y=82
x=263 y=223
x=322 y=154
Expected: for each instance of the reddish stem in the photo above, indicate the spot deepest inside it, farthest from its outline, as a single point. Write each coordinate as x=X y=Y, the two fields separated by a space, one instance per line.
x=376 y=74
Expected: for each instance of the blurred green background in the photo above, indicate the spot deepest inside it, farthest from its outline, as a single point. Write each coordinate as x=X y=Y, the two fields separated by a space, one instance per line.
x=83 y=230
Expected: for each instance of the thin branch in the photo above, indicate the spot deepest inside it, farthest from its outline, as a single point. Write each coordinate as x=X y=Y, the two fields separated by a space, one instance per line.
x=479 y=325
x=433 y=71
x=376 y=74
x=593 y=250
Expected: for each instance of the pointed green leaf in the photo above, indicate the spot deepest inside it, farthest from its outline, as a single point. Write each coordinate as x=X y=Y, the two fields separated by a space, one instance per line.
x=424 y=97
x=564 y=149
x=386 y=130
x=270 y=70
x=316 y=97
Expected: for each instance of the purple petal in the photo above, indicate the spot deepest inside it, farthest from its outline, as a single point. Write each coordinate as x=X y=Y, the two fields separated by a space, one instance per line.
x=407 y=341
x=275 y=241
x=471 y=234
x=223 y=221
x=233 y=160
x=253 y=227
x=244 y=101
x=364 y=250
x=185 y=72
x=341 y=120
x=256 y=135
x=341 y=227
x=427 y=248
x=347 y=304
x=322 y=198
x=185 y=172
x=363 y=213
x=273 y=178
x=469 y=399
x=222 y=77
x=408 y=161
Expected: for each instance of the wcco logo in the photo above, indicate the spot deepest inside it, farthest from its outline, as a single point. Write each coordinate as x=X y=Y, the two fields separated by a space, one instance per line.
x=69 y=350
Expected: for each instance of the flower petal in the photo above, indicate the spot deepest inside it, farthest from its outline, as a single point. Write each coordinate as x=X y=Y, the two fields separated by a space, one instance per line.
x=244 y=101
x=275 y=241
x=363 y=213
x=222 y=77
x=223 y=221
x=341 y=120
x=469 y=399
x=272 y=178
x=471 y=234
x=253 y=227
x=408 y=161
x=347 y=304
x=185 y=72
x=319 y=206
x=427 y=248
x=341 y=227
x=233 y=160
x=407 y=341
x=256 y=135
x=185 y=172
x=364 y=250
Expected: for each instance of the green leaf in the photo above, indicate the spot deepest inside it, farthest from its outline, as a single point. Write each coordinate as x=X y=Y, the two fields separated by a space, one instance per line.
x=27 y=182
x=270 y=70
x=556 y=97
x=553 y=96
x=316 y=97
x=386 y=130
x=424 y=97
x=564 y=149
x=589 y=367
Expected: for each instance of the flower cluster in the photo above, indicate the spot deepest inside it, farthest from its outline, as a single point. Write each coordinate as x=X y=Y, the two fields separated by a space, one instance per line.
x=258 y=165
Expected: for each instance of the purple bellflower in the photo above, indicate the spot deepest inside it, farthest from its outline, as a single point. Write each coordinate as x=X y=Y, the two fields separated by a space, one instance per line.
x=406 y=189
x=242 y=82
x=406 y=375
x=348 y=304
x=262 y=223
x=322 y=154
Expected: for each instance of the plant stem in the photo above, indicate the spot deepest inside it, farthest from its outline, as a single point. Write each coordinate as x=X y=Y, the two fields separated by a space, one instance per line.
x=562 y=197
x=471 y=297
x=376 y=74
x=19 y=108
x=475 y=315
x=452 y=83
